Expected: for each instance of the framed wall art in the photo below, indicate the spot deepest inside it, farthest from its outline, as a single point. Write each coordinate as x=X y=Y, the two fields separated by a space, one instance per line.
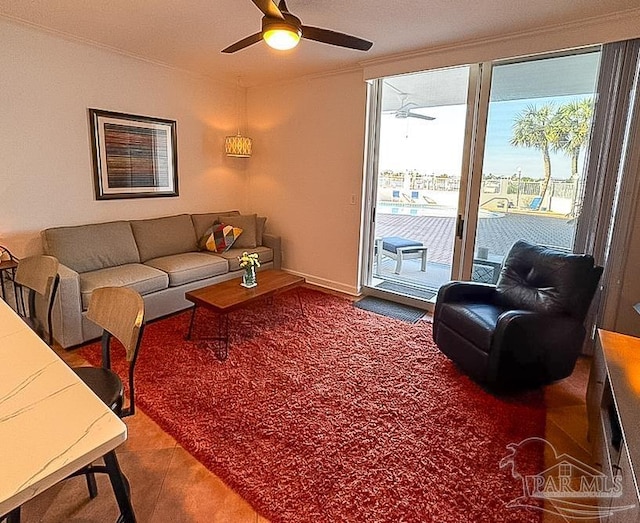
x=133 y=156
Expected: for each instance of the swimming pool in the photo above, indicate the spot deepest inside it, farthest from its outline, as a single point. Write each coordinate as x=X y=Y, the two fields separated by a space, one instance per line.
x=427 y=210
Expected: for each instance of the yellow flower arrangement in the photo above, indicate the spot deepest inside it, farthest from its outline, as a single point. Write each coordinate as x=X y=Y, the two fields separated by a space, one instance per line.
x=249 y=260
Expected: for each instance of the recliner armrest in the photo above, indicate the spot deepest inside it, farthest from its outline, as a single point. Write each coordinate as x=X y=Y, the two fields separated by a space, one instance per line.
x=457 y=291
x=527 y=340
x=460 y=291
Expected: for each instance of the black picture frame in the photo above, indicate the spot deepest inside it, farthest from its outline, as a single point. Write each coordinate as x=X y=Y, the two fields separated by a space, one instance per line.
x=133 y=156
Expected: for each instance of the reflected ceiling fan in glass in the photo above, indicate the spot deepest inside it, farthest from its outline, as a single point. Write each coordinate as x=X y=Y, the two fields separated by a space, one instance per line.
x=406 y=112
x=405 y=108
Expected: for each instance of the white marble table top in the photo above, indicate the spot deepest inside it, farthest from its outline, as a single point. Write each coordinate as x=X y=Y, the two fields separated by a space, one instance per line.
x=51 y=424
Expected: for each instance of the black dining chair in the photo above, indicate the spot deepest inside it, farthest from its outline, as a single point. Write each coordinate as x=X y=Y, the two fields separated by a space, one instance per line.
x=37 y=277
x=8 y=265
x=120 y=313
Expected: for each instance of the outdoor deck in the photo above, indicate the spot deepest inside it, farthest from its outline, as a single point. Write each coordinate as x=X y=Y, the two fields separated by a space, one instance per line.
x=496 y=232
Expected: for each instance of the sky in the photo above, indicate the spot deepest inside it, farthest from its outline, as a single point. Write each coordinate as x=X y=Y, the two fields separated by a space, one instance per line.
x=435 y=147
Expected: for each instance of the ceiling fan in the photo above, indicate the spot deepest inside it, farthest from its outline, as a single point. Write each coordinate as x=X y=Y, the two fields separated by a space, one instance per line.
x=404 y=111
x=282 y=30
x=407 y=113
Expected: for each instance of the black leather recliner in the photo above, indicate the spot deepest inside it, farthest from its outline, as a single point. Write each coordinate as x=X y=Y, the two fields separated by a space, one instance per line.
x=525 y=331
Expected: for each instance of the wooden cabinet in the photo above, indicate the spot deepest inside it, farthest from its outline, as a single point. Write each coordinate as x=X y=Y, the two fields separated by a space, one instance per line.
x=613 y=408
x=628 y=501
x=595 y=388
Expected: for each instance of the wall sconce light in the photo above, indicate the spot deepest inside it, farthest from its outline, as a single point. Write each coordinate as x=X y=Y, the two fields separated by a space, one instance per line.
x=238 y=146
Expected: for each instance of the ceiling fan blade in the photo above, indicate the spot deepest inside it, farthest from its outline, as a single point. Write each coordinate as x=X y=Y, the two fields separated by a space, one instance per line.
x=331 y=37
x=421 y=116
x=282 y=5
x=268 y=8
x=245 y=42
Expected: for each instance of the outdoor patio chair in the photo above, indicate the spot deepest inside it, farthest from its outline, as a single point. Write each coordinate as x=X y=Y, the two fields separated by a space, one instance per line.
x=535 y=203
x=525 y=331
x=401 y=249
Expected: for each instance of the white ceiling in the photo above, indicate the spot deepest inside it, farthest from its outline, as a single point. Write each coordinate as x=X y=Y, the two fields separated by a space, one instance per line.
x=189 y=34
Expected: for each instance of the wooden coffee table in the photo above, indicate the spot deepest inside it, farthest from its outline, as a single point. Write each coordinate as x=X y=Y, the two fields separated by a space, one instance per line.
x=229 y=295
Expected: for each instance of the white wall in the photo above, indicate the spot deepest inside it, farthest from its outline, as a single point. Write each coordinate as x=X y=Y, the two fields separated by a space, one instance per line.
x=307 y=163
x=46 y=86
x=627 y=320
x=309 y=139
x=308 y=148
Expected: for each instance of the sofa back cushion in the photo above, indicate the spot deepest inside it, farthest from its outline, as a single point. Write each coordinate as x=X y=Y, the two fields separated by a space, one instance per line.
x=159 y=237
x=547 y=280
x=85 y=248
x=202 y=222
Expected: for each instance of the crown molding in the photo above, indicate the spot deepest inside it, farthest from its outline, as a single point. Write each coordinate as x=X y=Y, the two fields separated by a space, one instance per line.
x=104 y=47
x=586 y=26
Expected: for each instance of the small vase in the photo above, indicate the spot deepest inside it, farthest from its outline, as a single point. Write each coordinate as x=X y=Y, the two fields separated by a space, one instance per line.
x=249 y=277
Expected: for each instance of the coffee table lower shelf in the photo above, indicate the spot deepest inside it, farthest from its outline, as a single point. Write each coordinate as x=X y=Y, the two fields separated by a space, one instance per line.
x=227 y=296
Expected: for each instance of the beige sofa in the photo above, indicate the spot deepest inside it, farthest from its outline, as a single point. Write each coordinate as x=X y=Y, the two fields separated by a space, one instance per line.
x=157 y=257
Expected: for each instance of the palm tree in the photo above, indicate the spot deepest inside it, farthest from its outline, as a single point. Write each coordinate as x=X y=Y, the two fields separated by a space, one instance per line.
x=571 y=126
x=534 y=128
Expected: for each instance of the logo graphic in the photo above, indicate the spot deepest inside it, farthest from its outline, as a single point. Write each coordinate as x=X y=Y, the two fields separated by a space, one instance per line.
x=569 y=487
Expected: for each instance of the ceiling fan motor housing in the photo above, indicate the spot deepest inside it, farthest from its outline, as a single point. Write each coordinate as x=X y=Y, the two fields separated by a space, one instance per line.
x=290 y=23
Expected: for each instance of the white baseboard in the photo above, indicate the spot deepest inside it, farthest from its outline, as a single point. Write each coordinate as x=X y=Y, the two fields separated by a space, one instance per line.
x=326 y=284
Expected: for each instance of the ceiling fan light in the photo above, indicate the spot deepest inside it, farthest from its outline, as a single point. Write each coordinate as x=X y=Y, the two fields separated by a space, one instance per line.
x=281 y=38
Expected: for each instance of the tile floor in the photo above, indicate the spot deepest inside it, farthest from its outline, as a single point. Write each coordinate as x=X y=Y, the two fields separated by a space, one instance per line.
x=171 y=486
x=566 y=427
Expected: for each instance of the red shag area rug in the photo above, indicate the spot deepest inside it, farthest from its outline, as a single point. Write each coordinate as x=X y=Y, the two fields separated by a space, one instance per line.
x=337 y=415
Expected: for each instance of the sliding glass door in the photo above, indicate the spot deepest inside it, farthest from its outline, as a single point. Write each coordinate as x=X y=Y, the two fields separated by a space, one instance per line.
x=464 y=161
x=422 y=130
x=537 y=133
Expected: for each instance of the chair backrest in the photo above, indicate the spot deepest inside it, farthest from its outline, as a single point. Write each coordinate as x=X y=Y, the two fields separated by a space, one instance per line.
x=544 y=279
x=120 y=312
x=37 y=273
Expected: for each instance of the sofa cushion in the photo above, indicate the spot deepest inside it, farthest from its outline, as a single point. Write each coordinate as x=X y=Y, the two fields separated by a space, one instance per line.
x=159 y=237
x=91 y=247
x=265 y=255
x=201 y=222
x=140 y=277
x=219 y=238
x=248 y=224
x=190 y=266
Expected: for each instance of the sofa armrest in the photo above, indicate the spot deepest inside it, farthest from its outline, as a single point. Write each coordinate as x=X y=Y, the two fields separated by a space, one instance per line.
x=67 y=309
x=527 y=340
x=275 y=244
